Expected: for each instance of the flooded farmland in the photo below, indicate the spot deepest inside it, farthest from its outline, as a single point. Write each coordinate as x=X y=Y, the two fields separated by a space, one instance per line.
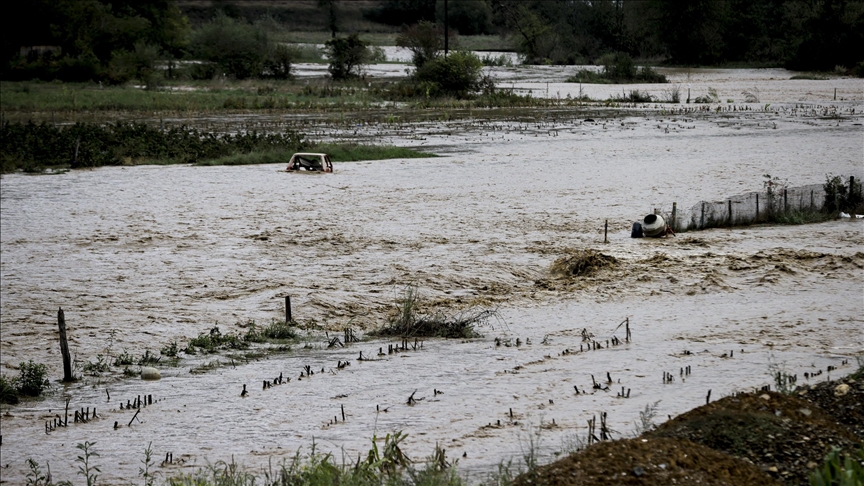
x=139 y=257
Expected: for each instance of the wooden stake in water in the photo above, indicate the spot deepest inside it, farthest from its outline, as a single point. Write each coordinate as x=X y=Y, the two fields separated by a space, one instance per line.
x=674 y=216
x=64 y=347
x=606 y=232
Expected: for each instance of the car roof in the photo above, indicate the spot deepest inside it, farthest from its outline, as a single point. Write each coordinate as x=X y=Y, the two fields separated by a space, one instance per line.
x=306 y=154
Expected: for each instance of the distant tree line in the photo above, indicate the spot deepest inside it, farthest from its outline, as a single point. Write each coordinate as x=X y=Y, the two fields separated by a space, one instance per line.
x=798 y=34
x=118 y=40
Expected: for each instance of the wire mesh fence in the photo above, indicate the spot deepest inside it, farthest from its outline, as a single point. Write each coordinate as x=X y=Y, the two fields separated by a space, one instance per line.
x=748 y=208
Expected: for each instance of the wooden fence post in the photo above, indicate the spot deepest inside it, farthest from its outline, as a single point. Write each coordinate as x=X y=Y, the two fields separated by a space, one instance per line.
x=730 y=212
x=64 y=348
x=674 y=216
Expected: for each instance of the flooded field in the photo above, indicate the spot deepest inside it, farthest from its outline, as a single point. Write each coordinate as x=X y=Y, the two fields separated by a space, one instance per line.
x=149 y=255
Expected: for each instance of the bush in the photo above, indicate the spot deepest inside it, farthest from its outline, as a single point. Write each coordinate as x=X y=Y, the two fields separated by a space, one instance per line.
x=455 y=75
x=33 y=379
x=8 y=393
x=347 y=56
x=620 y=68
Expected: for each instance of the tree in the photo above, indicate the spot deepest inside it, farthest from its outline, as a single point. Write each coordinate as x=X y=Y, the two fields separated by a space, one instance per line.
x=236 y=47
x=425 y=40
x=468 y=17
x=347 y=56
x=693 y=30
x=331 y=15
x=89 y=33
x=402 y=12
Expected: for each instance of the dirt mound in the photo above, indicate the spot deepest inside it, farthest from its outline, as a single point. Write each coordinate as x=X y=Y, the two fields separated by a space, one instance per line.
x=845 y=405
x=782 y=434
x=582 y=263
x=647 y=461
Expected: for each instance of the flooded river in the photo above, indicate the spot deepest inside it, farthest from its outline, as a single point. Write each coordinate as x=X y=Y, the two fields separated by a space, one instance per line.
x=141 y=256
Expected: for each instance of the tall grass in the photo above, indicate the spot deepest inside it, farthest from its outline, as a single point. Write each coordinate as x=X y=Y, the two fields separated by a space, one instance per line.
x=384 y=466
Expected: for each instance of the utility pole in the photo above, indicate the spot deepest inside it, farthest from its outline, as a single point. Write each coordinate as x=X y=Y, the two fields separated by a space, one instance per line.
x=446 y=31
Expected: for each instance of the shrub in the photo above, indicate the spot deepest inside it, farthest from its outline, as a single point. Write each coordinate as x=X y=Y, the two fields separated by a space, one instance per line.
x=8 y=393
x=618 y=66
x=347 y=56
x=456 y=75
x=33 y=379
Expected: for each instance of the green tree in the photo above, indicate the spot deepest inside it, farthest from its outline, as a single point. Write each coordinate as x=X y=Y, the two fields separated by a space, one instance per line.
x=237 y=48
x=347 y=56
x=468 y=17
x=425 y=40
x=402 y=12
x=693 y=30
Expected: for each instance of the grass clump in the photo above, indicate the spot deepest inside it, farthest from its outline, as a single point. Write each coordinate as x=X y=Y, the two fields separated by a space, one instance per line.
x=582 y=263
x=276 y=331
x=407 y=321
x=214 y=340
x=387 y=465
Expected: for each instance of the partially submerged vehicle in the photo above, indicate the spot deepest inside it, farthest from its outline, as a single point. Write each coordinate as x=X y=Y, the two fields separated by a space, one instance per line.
x=309 y=162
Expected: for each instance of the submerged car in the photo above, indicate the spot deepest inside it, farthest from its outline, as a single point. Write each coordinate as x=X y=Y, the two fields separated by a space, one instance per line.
x=308 y=162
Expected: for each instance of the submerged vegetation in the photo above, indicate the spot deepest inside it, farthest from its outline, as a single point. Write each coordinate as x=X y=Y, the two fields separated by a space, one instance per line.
x=407 y=321
x=618 y=69
x=33 y=147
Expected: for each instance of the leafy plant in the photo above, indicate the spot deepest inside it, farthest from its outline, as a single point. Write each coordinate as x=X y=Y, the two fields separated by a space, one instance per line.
x=646 y=418
x=170 y=350
x=123 y=359
x=840 y=469
x=86 y=467
x=148 y=358
x=34 y=476
x=100 y=366
x=33 y=379
x=147 y=463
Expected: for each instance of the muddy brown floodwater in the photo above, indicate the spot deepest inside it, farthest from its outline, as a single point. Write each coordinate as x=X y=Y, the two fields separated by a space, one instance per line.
x=154 y=254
